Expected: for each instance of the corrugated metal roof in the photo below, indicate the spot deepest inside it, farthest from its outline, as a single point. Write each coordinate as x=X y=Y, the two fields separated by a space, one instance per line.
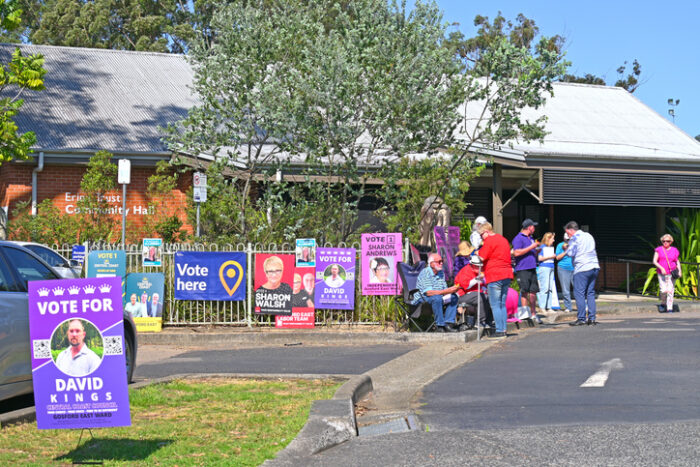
x=601 y=122
x=104 y=99
x=117 y=100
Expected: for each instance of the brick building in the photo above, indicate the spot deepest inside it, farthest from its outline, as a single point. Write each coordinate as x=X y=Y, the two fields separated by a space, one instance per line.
x=98 y=100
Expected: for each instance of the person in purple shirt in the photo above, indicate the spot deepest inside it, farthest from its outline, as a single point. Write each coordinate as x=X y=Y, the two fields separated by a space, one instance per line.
x=524 y=250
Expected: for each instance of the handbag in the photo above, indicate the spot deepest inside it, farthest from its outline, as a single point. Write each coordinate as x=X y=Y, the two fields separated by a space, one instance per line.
x=675 y=274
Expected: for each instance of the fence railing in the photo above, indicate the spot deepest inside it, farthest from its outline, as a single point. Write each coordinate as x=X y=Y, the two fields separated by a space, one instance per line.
x=369 y=310
x=629 y=276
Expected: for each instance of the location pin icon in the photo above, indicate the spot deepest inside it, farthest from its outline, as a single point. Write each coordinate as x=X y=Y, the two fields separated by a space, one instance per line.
x=231 y=275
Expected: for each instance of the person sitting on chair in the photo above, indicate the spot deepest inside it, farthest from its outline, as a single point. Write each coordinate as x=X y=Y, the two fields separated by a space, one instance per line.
x=433 y=289
x=468 y=280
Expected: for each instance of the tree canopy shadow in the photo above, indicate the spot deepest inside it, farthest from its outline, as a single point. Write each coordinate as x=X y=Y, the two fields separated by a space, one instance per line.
x=110 y=449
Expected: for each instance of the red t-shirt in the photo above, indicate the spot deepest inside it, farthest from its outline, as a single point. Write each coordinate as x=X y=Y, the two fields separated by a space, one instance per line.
x=465 y=275
x=495 y=252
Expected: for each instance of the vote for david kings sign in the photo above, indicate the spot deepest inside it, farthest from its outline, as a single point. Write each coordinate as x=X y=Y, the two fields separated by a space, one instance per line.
x=76 y=330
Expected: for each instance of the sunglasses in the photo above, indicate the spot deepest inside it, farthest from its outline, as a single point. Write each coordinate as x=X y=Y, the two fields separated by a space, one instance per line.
x=666 y=241
x=438 y=262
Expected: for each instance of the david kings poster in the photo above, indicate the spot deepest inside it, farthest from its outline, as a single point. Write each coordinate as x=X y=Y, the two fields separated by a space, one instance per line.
x=380 y=253
x=274 y=275
x=335 y=278
x=77 y=342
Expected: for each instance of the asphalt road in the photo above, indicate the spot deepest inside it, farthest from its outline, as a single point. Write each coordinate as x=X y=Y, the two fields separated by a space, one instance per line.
x=522 y=403
x=269 y=360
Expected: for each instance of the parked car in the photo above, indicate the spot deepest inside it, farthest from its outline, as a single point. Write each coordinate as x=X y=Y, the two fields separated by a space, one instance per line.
x=66 y=268
x=18 y=266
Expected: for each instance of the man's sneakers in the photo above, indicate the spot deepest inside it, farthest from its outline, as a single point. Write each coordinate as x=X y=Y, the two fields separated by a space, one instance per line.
x=592 y=322
x=578 y=322
x=498 y=335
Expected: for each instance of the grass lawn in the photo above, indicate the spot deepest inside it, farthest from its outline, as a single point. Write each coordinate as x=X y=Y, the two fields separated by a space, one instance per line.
x=199 y=422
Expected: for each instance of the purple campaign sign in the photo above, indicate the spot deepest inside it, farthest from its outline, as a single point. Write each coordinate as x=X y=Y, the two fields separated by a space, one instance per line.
x=335 y=278
x=77 y=343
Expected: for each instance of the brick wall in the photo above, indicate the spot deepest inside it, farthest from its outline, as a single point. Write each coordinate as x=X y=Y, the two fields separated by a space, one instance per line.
x=61 y=184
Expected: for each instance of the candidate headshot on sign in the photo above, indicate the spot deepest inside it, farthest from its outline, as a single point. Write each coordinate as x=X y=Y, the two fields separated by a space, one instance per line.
x=334 y=276
x=77 y=347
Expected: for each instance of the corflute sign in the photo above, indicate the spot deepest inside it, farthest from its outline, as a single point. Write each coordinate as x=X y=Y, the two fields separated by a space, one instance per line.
x=76 y=330
x=210 y=275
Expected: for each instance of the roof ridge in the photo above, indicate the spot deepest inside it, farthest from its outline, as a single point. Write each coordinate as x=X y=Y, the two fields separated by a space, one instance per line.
x=92 y=49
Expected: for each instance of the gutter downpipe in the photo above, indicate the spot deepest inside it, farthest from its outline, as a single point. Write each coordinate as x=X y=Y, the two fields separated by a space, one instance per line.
x=36 y=170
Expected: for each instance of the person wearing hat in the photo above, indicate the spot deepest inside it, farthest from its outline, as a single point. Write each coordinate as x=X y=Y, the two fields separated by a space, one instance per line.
x=524 y=250
x=469 y=280
x=464 y=251
x=565 y=272
x=475 y=237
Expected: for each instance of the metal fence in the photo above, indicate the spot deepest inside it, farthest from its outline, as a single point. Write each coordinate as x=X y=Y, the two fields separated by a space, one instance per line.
x=369 y=310
x=629 y=276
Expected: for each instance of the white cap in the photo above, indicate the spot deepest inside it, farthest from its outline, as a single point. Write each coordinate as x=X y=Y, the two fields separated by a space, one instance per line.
x=566 y=236
x=480 y=220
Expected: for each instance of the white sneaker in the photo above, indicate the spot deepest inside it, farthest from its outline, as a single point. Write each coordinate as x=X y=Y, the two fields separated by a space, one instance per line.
x=567 y=311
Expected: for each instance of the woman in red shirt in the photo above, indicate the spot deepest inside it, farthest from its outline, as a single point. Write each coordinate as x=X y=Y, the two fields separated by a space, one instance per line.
x=498 y=272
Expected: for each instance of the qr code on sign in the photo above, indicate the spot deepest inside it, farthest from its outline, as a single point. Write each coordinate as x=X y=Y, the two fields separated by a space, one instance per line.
x=42 y=348
x=113 y=345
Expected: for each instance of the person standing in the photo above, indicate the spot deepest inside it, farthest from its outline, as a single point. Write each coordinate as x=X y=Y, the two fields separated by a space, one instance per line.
x=498 y=273
x=524 y=250
x=475 y=237
x=666 y=262
x=565 y=272
x=547 y=296
x=433 y=289
x=581 y=249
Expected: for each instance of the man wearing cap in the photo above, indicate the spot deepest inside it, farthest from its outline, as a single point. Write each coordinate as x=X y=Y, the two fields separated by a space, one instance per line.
x=475 y=237
x=470 y=280
x=524 y=250
x=433 y=289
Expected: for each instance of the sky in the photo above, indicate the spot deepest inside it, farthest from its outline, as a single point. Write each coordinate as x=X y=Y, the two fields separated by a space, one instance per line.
x=664 y=36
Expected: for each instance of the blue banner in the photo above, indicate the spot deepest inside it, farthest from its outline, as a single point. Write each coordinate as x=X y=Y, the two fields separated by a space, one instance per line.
x=210 y=275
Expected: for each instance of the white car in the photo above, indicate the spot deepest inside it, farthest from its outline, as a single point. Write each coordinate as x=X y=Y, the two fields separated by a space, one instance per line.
x=68 y=269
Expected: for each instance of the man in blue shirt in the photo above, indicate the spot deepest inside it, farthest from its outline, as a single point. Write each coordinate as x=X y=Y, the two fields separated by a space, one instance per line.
x=581 y=249
x=433 y=289
x=524 y=250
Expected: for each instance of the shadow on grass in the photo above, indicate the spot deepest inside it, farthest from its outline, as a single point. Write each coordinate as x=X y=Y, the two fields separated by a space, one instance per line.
x=103 y=449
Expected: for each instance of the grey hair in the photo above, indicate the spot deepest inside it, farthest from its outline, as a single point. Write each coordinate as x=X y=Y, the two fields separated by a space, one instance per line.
x=573 y=225
x=432 y=256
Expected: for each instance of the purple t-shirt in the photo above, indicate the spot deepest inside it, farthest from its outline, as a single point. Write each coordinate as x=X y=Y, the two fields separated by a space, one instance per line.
x=529 y=259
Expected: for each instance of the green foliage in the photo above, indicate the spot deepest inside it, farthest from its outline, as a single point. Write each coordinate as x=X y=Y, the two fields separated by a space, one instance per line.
x=49 y=226
x=411 y=182
x=685 y=229
x=630 y=82
x=22 y=73
x=163 y=220
x=164 y=26
x=93 y=208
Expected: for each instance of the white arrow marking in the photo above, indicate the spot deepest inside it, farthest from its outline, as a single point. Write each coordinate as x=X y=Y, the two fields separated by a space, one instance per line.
x=598 y=379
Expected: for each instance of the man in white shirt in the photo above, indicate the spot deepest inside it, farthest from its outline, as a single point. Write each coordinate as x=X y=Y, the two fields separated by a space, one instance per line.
x=77 y=359
x=582 y=251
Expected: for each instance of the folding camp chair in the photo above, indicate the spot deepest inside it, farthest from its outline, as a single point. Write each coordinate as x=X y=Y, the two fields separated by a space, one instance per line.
x=412 y=314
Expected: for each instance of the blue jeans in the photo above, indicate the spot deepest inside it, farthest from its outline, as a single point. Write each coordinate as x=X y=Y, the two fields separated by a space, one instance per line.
x=566 y=277
x=584 y=292
x=498 y=292
x=436 y=303
x=545 y=277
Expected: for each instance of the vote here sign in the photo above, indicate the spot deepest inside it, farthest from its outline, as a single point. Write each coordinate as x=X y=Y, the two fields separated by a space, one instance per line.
x=209 y=275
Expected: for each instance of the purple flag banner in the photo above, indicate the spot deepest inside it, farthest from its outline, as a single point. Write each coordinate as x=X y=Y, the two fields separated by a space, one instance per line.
x=335 y=278
x=447 y=245
x=76 y=330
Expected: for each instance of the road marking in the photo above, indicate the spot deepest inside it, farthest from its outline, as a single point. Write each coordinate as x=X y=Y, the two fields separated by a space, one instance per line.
x=599 y=378
x=649 y=329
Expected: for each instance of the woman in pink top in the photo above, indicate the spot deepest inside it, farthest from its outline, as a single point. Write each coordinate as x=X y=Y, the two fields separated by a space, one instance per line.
x=666 y=261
